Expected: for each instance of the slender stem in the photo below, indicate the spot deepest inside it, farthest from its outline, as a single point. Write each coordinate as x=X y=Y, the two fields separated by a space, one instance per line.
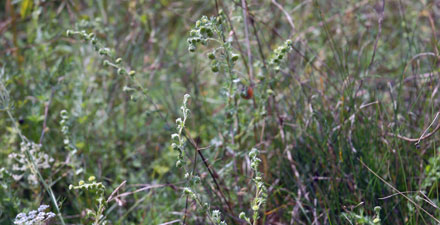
x=35 y=169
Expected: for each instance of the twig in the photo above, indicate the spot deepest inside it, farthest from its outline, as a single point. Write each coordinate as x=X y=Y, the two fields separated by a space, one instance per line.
x=116 y=190
x=381 y=14
x=248 y=45
x=147 y=187
x=170 y=222
x=422 y=137
x=289 y=18
x=210 y=171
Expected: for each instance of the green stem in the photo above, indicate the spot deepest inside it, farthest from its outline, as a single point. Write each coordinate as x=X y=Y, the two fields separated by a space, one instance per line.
x=35 y=168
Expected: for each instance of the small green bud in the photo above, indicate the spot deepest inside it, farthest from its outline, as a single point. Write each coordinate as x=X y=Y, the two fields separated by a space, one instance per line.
x=132 y=73
x=118 y=61
x=106 y=63
x=242 y=216
x=202 y=30
x=94 y=41
x=69 y=33
x=192 y=33
x=102 y=51
x=210 y=34
x=179 y=164
x=377 y=209
x=376 y=220
x=261 y=77
x=187 y=191
x=234 y=57
x=192 y=48
x=214 y=68
x=219 y=20
x=289 y=42
x=121 y=71
x=81 y=182
x=211 y=56
x=91 y=178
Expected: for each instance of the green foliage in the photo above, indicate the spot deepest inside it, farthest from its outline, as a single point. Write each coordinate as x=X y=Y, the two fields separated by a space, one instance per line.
x=327 y=91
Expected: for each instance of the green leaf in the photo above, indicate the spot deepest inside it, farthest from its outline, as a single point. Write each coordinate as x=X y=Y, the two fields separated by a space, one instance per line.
x=26 y=8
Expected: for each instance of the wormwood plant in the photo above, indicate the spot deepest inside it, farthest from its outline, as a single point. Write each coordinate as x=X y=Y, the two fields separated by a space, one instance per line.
x=280 y=54
x=215 y=215
x=260 y=192
x=34 y=217
x=68 y=145
x=311 y=107
x=98 y=190
x=111 y=60
x=360 y=218
x=222 y=56
x=30 y=158
x=180 y=144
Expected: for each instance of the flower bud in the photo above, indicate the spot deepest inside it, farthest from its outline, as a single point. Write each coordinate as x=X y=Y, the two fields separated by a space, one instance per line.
x=234 y=57
x=91 y=178
x=102 y=51
x=211 y=55
x=192 y=48
x=214 y=68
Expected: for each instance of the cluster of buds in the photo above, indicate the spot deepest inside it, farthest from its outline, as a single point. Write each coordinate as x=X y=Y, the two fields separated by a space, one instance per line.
x=65 y=130
x=376 y=219
x=30 y=158
x=117 y=65
x=34 y=217
x=217 y=218
x=280 y=54
x=179 y=144
x=203 y=30
x=98 y=187
x=90 y=37
x=103 y=51
x=261 y=191
x=215 y=65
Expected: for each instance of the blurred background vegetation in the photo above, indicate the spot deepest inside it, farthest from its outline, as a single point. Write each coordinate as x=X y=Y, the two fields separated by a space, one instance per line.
x=336 y=124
